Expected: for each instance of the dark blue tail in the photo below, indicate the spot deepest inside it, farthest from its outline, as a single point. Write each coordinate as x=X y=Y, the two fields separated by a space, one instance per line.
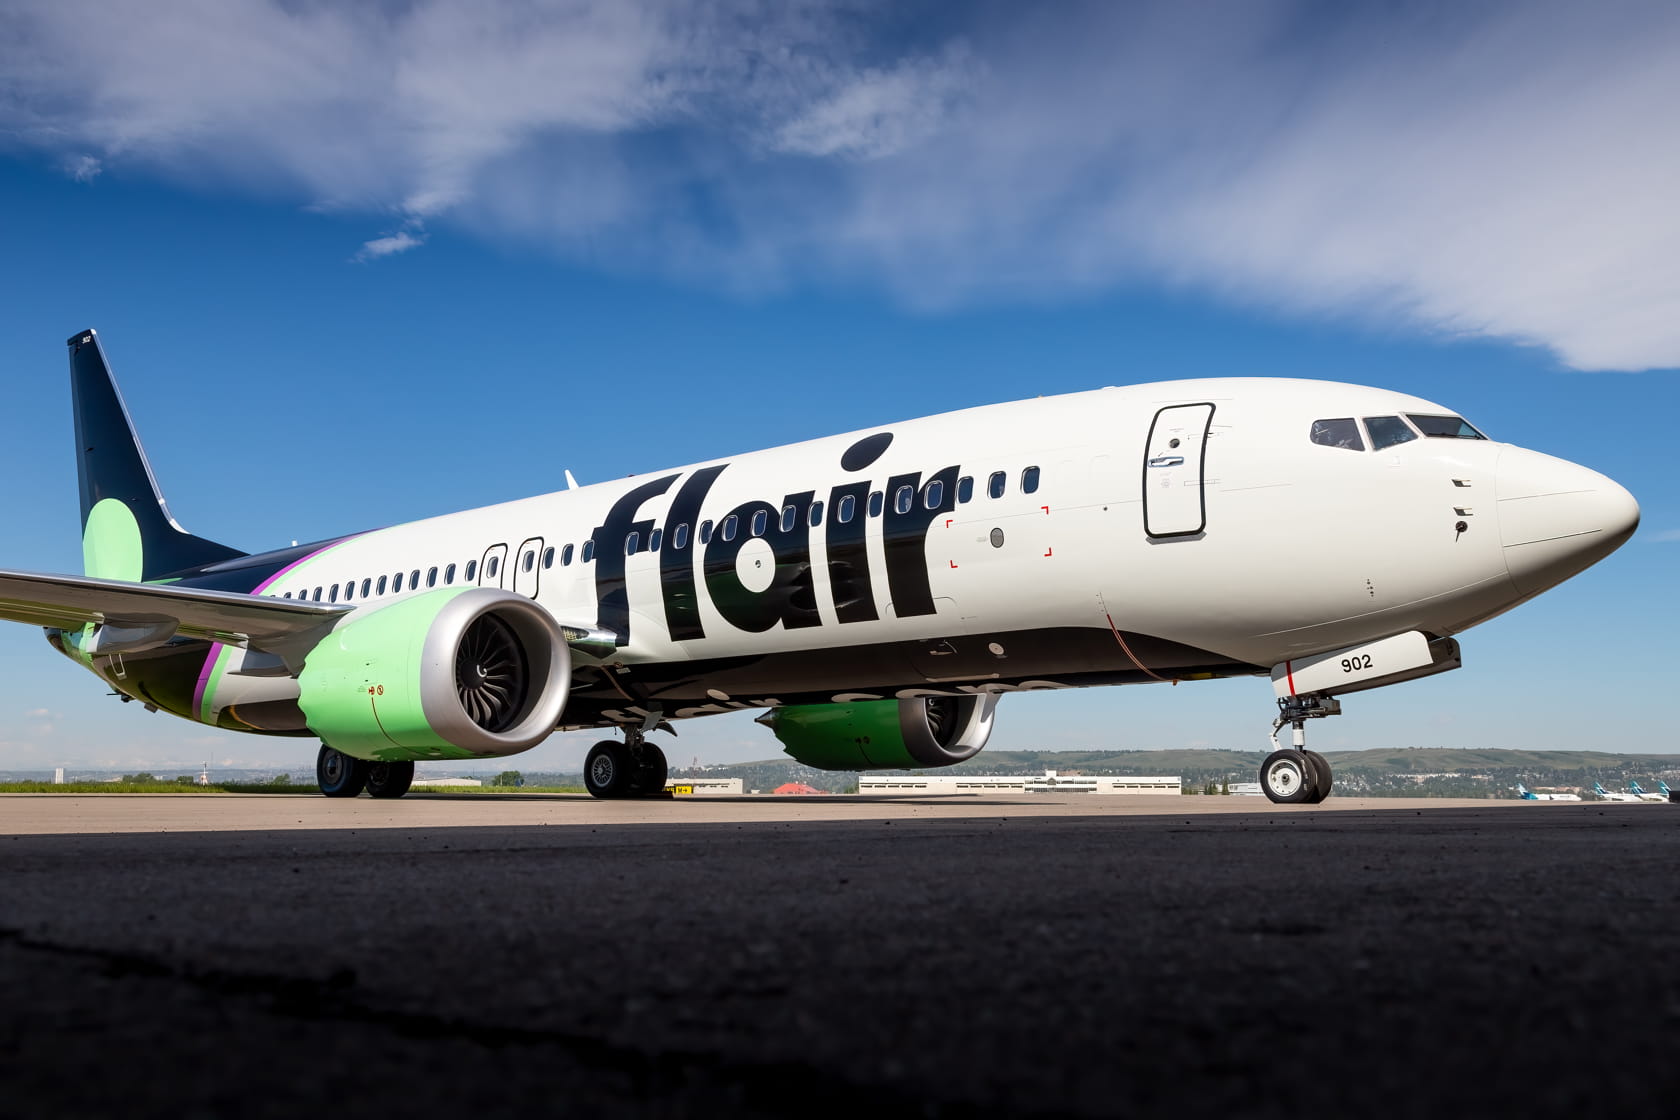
x=127 y=532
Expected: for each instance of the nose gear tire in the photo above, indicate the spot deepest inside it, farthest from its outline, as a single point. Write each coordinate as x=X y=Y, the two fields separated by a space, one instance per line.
x=1287 y=778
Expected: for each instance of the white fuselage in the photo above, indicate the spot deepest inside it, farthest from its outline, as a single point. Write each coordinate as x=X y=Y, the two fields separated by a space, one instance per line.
x=1116 y=517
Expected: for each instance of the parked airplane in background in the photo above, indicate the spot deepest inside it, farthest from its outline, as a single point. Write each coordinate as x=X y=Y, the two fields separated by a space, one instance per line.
x=876 y=591
x=1633 y=788
x=1523 y=794
x=1607 y=795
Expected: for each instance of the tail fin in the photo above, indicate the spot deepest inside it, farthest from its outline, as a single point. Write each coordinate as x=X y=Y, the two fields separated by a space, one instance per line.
x=1662 y=785
x=1633 y=787
x=127 y=532
x=1522 y=791
x=1599 y=789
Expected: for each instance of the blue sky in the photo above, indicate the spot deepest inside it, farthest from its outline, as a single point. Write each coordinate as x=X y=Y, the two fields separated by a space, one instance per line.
x=357 y=269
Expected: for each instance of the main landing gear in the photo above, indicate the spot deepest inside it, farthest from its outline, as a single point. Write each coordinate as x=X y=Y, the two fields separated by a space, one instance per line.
x=633 y=768
x=1295 y=775
x=339 y=775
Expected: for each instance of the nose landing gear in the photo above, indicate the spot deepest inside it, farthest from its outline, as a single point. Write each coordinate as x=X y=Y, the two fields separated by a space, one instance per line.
x=1295 y=775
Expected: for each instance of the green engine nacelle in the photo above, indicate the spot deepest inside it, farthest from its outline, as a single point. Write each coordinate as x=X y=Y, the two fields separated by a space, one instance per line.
x=912 y=734
x=471 y=672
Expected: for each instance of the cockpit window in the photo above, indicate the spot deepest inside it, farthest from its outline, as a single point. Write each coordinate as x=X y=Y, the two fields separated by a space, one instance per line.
x=1444 y=427
x=1386 y=431
x=1338 y=433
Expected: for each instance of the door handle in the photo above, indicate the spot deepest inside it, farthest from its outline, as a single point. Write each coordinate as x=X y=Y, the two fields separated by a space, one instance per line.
x=1167 y=461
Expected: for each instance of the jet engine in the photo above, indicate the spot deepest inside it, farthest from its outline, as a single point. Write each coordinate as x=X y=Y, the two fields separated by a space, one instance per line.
x=915 y=734
x=460 y=673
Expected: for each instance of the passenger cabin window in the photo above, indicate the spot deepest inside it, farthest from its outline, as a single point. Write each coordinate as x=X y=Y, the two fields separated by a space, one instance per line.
x=995 y=484
x=431 y=577
x=566 y=557
x=349 y=591
x=317 y=594
x=760 y=522
x=332 y=593
x=844 y=512
x=1386 y=431
x=679 y=539
x=655 y=539
x=1444 y=427
x=790 y=518
x=1343 y=432
x=632 y=541
x=705 y=532
x=877 y=502
x=367 y=588
x=472 y=571
x=414 y=580
x=816 y=514
x=965 y=489
x=729 y=526
x=1029 y=481
x=933 y=495
x=382 y=585
x=588 y=550
x=529 y=560
x=492 y=566
x=548 y=557
x=904 y=498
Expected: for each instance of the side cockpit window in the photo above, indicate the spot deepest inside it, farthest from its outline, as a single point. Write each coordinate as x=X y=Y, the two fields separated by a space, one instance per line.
x=1444 y=427
x=1338 y=433
x=1387 y=431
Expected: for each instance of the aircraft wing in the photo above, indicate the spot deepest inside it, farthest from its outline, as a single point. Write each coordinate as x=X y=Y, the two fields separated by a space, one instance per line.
x=142 y=615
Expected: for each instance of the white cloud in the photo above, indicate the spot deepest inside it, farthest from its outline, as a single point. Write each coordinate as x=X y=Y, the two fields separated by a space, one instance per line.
x=1500 y=169
x=411 y=236
x=39 y=713
x=1667 y=536
x=83 y=169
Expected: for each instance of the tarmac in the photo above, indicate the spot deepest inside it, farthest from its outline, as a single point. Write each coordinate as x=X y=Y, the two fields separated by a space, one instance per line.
x=209 y=955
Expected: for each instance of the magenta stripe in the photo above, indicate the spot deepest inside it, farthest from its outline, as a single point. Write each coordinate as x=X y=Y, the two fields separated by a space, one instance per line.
x=216 y=647
x=269 y=582
x=204 y=680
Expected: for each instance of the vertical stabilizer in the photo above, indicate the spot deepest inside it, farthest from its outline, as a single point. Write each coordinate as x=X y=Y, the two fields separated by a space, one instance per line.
x=127 y=532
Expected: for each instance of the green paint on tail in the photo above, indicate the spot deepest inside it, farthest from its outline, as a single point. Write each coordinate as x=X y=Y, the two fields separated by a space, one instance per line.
x=111 y=546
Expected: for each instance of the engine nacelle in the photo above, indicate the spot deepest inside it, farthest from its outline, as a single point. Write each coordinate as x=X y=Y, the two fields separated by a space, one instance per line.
x=914 y=734
x=471 y=672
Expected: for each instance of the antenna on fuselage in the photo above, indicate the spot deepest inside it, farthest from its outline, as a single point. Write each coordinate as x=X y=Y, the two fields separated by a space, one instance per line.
x=571 y=483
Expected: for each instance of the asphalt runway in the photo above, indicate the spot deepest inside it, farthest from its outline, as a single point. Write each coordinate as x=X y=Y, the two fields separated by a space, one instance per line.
x=271 y=956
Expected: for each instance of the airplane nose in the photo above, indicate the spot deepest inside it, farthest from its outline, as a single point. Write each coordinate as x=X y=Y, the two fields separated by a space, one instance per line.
x=1557 y=518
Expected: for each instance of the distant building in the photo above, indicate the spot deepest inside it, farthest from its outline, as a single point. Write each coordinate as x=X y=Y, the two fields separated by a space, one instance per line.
x=1048 y=782
x=798 y=789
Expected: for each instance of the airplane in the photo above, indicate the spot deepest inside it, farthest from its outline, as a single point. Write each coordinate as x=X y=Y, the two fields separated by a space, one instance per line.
x=1607 y=795
x=1633 y=788
x=875 y=592
x=1524 y=794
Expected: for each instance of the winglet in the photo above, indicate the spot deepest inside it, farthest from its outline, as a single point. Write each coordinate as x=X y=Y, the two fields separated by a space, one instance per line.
x=127 y=532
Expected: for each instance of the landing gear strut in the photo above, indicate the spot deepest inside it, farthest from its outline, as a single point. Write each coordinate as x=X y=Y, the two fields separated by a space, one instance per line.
x=633 y=768
x=1295 y=775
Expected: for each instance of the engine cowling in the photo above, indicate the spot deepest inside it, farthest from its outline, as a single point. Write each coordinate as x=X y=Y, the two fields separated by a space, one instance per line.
x=915 y=734
x=471 y=672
